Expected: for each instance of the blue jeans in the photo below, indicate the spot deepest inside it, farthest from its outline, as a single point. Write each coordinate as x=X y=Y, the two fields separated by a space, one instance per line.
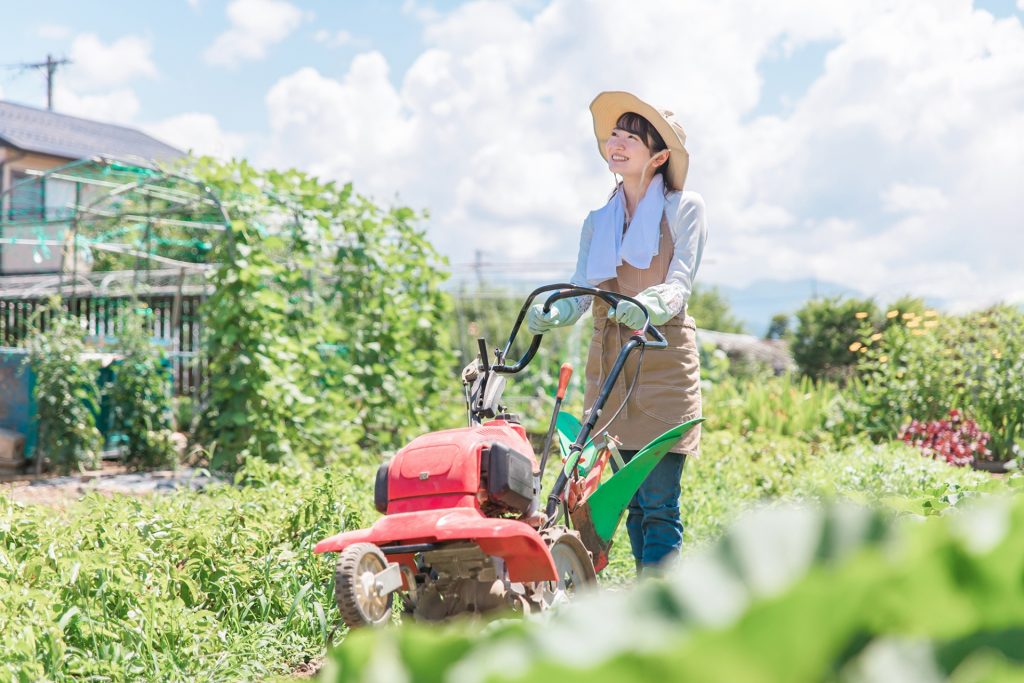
x=652 y=521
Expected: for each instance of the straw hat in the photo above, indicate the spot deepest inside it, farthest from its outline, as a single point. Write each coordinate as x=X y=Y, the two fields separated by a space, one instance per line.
x=609 y=106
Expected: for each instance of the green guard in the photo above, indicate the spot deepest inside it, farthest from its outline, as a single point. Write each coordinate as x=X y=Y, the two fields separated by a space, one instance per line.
x=612 y=498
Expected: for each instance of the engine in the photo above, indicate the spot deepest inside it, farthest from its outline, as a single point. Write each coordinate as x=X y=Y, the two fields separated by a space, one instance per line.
x=491 y=466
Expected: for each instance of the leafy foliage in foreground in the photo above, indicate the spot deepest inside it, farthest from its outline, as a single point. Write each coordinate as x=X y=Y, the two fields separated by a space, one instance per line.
x=788 y=595
x=212 y=586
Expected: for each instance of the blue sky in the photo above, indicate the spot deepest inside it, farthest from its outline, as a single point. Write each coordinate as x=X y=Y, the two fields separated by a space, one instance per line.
x=872 y=144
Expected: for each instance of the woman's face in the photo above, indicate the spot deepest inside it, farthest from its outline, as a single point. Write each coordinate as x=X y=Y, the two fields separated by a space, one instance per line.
x=627 y=154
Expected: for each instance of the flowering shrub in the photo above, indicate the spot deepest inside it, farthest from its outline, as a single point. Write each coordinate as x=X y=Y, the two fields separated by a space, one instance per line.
x=929 y=362
x=955 y=439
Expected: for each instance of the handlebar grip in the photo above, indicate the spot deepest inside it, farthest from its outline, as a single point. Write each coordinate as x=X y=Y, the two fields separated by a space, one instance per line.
x=563 y=380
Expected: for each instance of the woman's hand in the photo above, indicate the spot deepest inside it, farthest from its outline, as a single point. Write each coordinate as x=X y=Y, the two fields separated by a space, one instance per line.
x=563 y=312
x=632 y=316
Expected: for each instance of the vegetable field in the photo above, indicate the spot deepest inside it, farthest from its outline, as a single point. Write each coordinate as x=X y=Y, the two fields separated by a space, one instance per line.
x=838 y=524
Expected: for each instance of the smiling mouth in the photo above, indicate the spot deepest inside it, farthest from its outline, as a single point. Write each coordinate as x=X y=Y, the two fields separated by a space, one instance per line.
x=618 y=157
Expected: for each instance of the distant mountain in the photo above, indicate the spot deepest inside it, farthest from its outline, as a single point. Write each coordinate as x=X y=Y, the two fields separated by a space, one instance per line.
x=756 y=303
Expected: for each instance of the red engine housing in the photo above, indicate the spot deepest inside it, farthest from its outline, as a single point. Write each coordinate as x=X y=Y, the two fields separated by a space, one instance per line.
x=442 y=469
x=435 y=494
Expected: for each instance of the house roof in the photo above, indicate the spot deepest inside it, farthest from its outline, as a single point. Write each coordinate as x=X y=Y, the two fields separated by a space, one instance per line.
x=46 y=132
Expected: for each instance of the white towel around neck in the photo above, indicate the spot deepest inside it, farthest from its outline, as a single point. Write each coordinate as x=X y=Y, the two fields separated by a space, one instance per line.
x=608 y=247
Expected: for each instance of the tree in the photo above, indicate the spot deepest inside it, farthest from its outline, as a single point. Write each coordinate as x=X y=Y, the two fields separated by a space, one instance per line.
x=710 y=308
x=779 y=327
x=828 y=335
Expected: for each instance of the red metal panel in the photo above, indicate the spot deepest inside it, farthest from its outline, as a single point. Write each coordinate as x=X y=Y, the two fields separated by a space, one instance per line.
x=447 y=463
x=517 y=543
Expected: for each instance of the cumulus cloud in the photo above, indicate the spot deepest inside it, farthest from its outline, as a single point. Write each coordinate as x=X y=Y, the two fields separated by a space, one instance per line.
x=896 y=171
x=120 y=105
x=334 y=38
x=255 y=26
x=199 y=133
x=96 y=65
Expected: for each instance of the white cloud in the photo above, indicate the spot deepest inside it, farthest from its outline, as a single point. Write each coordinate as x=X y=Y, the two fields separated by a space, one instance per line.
x=115 y=106
x=334 y=38
x=897 y=170
x=53 y=32
x=95 y=65
x=255 y=26
x=900 y=197
x=199 y=133
x=425 y=13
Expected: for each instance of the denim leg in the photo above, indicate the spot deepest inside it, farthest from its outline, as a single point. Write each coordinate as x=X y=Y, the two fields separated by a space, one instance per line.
x=653 y=520
x=658 y=500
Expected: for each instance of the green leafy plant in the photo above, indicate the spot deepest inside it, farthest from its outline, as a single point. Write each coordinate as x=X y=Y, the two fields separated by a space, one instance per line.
x=788 y=405
x=217 y=585
x=66 y=394
x=930 y=364
x=787 y=595
x=326 y=329
x=140 y=396
x=826 y=330
x=711 y=311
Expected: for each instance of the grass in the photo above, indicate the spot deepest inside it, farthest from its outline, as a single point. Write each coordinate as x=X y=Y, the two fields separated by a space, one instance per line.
x=215 y=586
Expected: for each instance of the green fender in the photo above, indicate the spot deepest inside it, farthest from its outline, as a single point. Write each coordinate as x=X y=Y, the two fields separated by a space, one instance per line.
x=612 y=498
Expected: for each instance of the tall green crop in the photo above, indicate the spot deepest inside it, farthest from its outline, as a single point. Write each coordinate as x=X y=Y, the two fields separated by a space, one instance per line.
x=66 y=394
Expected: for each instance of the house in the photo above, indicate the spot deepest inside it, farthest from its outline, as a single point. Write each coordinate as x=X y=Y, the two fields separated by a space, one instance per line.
x=34 y=211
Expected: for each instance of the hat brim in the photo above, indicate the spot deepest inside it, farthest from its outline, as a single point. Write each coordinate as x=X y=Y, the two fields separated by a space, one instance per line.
x=608 y=106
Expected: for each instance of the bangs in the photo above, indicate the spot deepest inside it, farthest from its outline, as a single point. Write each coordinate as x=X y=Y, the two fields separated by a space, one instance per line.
x=631 y=122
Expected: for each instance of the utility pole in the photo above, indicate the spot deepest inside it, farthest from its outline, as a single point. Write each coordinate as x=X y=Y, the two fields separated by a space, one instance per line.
x=50 y=65
x=478 y=266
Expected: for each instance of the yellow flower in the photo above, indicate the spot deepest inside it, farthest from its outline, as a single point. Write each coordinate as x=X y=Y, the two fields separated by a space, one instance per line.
x=883 y=359
x=855 y=346
x=860 y=315
x=892 y=314
x=876 y=336
x=931 y=313
x=913 y=323
x=931 y=323
x=908 y=315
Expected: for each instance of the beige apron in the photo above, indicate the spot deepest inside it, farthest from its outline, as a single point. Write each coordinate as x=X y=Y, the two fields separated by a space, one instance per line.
x=668 y=390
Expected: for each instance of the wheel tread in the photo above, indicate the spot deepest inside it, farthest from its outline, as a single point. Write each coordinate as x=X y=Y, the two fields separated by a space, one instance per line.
x=344 y=585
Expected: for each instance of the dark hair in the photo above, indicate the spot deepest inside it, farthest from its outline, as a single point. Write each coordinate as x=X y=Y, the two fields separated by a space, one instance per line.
x=631 y=122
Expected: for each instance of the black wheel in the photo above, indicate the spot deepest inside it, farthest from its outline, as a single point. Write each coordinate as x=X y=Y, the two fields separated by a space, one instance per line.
x=355 y=586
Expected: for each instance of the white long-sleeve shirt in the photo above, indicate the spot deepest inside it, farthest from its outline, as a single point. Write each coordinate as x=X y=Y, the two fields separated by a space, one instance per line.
x=688 y=225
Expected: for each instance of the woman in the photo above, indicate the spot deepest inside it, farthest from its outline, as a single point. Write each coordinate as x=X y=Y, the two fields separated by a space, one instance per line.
x=646 y=242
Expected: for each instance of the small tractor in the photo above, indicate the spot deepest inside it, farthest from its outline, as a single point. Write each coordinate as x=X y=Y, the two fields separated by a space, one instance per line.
x=463 y=528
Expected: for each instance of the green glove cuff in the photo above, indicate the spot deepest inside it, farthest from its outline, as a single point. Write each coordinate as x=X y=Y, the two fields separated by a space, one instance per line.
x=656 y=306
x=568 y=311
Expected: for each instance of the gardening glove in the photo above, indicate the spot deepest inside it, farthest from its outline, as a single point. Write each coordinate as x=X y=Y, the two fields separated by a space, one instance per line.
x=563 y=312
x=632 y=316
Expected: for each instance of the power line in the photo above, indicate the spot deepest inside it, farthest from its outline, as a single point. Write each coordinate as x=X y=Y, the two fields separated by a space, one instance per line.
x=50 y=65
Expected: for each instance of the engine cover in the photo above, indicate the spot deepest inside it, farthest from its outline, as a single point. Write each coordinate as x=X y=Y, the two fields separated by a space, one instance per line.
x=443 y=469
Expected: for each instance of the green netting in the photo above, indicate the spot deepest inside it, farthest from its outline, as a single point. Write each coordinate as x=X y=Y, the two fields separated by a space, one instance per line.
x=106 y=227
